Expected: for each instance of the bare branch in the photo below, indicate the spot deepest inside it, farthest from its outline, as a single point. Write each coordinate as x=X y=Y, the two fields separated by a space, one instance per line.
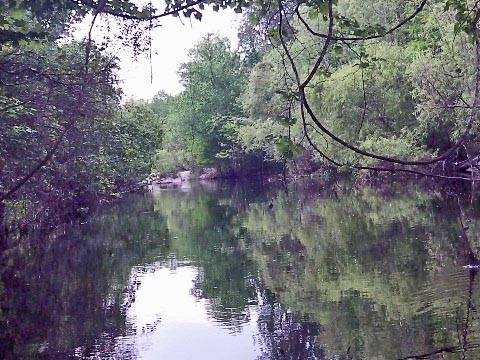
x=466 y=133
x=417 y=11
x=125 y=16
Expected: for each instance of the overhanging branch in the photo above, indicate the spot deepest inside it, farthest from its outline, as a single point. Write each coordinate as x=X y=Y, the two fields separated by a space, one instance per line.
x=306 y=106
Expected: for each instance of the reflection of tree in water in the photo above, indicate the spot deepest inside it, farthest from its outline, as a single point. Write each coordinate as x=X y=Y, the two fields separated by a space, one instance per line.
x=67 y=295
x=363 y=269
x=53 y=304
x=374 y=271
x=465 y=347
x=202 y=231
x=282 y=335
x=467 y=341
x=229 y=288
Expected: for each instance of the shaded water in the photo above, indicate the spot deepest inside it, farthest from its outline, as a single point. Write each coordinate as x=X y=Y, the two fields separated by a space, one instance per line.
x=250 y=272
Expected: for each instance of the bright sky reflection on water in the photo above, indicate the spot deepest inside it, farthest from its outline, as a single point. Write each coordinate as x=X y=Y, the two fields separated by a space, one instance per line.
x=169 y=322
x=214 y=273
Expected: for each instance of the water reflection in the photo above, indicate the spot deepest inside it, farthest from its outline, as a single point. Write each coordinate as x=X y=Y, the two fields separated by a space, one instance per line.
x=250 y=272
x=172 y=323
x=65 y=295
x=361 y=271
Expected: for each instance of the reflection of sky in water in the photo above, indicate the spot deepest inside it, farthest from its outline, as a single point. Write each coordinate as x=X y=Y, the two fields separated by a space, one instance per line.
x=341 y=281
x=170 y=323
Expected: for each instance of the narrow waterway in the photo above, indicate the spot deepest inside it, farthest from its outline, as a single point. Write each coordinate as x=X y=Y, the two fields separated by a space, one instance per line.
x=250 y=271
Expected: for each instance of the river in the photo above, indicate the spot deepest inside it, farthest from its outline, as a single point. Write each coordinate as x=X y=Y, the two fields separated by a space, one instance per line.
x=250 y=271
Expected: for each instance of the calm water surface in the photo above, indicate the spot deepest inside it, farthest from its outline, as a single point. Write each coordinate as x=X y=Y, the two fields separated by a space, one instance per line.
x=250 y=272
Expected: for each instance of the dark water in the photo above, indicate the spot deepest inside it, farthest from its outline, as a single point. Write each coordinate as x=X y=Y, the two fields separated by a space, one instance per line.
x=250 y=272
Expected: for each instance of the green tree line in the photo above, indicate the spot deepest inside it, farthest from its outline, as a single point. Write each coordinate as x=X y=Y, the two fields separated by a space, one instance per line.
x=391 y=86
x=394 y=90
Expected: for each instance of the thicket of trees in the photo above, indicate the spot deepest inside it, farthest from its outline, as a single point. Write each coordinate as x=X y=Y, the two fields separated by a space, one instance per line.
x=391 y=86
x=65 y=138
x=208 y=123
x=386 y=85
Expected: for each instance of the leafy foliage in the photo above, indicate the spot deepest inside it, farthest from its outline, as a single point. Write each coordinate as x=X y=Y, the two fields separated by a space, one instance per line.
x=65 y=139
x=387 y=80
x=200 y=124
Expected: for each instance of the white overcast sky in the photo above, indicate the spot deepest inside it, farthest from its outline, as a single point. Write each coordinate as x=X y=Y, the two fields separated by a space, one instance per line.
x=170 y=45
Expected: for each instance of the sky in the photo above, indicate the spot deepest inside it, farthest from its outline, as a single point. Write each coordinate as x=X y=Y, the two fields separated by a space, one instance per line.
x=170 y=45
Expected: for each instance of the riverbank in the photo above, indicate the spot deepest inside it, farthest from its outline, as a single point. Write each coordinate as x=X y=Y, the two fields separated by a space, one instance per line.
x=321 y=173
x=50 y=212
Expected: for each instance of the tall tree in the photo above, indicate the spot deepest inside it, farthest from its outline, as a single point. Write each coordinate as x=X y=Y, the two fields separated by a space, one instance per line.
x=213 y=79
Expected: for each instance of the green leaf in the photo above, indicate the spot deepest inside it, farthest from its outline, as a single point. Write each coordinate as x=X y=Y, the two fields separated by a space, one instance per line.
x=253 y=18
x=17 y=13
x=323 y=8
x=287 y=148
x=287 y=121
x=288 y=94
x=313 y=14
x=363 y=65
x=457 y=28
x=283 y=147
x=273 y=34
x=337 y=49
x=297 y=148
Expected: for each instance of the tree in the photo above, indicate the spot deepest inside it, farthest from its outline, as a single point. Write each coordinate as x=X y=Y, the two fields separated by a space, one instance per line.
x=26 y=22
x=53 y=115
x=201 y=119
x=341 y=33
x=138 y=133
x=331 y=29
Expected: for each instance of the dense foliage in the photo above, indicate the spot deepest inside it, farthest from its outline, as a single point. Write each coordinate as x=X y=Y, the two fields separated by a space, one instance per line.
x=207 y=125
x=386 y=85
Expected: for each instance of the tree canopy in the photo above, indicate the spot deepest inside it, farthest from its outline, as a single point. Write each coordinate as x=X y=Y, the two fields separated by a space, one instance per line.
x=389 y=86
